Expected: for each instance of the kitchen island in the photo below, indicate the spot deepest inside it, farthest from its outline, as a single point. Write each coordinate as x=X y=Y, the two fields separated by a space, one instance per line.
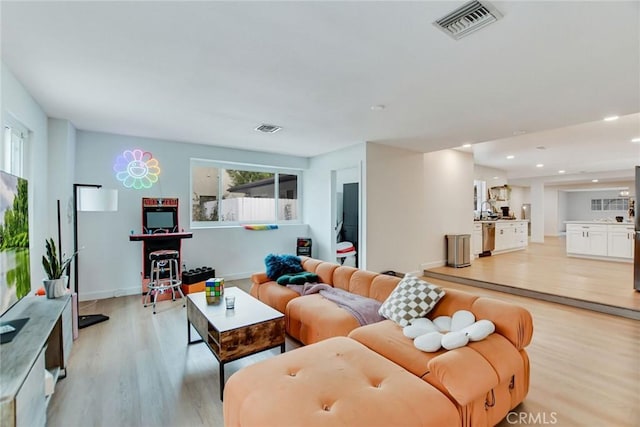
x=606 y=240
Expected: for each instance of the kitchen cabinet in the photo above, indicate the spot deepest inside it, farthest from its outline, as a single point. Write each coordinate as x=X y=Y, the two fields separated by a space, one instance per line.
x=511 y=235
x=620 y=241
x=597 y=240
x=587 y=239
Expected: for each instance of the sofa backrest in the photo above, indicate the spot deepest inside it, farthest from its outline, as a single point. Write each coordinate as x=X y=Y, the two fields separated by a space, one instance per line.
x=512 y=321
x=351 y=279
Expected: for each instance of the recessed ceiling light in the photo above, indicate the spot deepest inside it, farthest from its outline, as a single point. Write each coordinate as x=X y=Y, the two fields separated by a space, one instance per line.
x=594 y=180
x=541 y=147
x=539 y=165
x=466 y=145
x=510 y=156
x=496 y=177
x=611 y=118
x=562 y=171
x=635 y=140
x=378 y=107
x=519 y=132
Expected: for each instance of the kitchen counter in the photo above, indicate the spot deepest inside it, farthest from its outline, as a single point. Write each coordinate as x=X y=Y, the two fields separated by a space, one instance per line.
x=509 y=235
x=613 y=222
x=493 y=221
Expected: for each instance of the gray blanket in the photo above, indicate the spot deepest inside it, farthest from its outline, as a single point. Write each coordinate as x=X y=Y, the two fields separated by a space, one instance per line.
x=364 y=309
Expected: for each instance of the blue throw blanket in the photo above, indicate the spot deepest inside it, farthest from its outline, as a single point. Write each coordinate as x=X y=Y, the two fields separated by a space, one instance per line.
x=364 y=309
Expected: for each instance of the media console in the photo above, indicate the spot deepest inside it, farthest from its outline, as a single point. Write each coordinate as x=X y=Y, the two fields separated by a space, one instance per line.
x=43 y=343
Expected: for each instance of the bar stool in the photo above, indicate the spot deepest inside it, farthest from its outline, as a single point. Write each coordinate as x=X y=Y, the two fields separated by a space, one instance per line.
x=161 y=262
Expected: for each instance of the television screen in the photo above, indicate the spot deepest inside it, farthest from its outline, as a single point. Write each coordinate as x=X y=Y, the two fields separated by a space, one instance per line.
x=15 y=276
x=162 y=219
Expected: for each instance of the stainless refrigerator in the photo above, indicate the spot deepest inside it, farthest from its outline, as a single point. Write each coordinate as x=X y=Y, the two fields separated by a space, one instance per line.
x=636 y=222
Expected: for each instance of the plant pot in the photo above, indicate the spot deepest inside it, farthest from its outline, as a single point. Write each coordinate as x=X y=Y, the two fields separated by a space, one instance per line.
x=55 y=288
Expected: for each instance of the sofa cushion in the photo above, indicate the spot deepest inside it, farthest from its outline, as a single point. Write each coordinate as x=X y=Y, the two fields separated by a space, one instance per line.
x=313 y=318
x=386 y=338
x=338 y=382
x=382 y=286
x=274 y=295
x=277 y=265
x=342 y=277
x=325 y=272
x=411 y=299
x=511 y=321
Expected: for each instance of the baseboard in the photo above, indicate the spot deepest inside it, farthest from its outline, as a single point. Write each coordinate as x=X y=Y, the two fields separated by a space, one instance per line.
x=428 y=265
x=112 y=293
x=137 y=290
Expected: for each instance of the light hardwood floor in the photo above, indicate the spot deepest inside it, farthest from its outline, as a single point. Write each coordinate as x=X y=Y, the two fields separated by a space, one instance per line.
x=137 y=370
x=545 y=269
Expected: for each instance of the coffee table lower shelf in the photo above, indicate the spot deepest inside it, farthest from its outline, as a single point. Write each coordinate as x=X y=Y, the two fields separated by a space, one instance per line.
x=252 y=327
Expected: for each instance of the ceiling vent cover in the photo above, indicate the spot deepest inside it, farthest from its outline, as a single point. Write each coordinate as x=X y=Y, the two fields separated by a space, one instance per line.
x=468 y=18
x=268 y=128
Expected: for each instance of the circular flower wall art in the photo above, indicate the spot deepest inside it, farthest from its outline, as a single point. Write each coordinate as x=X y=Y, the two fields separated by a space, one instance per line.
x=137 y=169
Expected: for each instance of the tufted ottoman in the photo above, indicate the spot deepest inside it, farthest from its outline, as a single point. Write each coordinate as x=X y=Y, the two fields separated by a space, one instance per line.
x=336 y=382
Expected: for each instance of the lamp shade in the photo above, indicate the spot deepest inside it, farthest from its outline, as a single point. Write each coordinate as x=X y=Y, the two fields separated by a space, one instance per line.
x=97 y=200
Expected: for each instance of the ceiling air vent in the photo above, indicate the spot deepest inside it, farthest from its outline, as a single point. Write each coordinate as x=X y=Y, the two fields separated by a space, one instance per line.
x=468 y=18
x=268 y=128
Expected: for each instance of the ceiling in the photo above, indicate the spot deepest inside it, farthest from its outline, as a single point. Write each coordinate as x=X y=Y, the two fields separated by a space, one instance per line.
x=210 y=72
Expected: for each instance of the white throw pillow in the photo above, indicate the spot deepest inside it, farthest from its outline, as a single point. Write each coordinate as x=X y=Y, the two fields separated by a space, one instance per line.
x=450 y=332
x=429 y=342
x=419 y=327
x=411 y=299
x=479 y=330
x=454 y=340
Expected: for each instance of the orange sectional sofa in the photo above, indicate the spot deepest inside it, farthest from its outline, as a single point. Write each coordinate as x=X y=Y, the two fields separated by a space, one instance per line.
x=482 y=381
x=312 y=318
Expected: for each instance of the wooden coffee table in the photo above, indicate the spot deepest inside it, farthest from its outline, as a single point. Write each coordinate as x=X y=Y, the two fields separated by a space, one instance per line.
x=251 y=327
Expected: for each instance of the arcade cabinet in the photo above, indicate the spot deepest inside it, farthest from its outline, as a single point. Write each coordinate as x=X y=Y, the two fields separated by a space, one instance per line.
x=160 y=231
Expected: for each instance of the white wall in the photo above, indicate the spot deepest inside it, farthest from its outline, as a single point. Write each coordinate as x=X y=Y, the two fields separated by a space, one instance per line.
x=110 y=264
x=61 y=165
x=319 y=204
x=517 y=200
x=448 y=185
x=538 y=211
x=395 y=204
x=563 y=215
x=551 y=223
x=18 y=104
x=579 y=205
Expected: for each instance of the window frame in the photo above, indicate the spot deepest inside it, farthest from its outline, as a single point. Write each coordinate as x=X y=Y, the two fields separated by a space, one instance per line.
x=15 y=166
x=252 y=167
x=610 y=204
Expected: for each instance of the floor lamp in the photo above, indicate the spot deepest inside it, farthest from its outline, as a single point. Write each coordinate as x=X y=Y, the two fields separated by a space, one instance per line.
x=90 y=198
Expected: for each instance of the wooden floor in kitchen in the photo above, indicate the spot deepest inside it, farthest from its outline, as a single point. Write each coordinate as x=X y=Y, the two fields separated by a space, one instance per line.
x=545 y=269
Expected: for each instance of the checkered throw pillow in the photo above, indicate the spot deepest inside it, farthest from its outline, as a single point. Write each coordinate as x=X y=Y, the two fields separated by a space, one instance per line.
x=411 y=299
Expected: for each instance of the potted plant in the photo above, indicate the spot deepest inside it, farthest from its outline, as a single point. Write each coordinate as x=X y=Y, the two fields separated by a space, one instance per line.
x=56 y=281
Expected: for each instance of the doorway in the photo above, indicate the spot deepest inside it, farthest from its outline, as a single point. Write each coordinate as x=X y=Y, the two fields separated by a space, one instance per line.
x=347 y=216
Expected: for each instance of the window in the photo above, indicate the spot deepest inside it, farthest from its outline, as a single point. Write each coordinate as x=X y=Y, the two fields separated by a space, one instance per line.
x=12 y=150
x=231 y=194
x=618 y=204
